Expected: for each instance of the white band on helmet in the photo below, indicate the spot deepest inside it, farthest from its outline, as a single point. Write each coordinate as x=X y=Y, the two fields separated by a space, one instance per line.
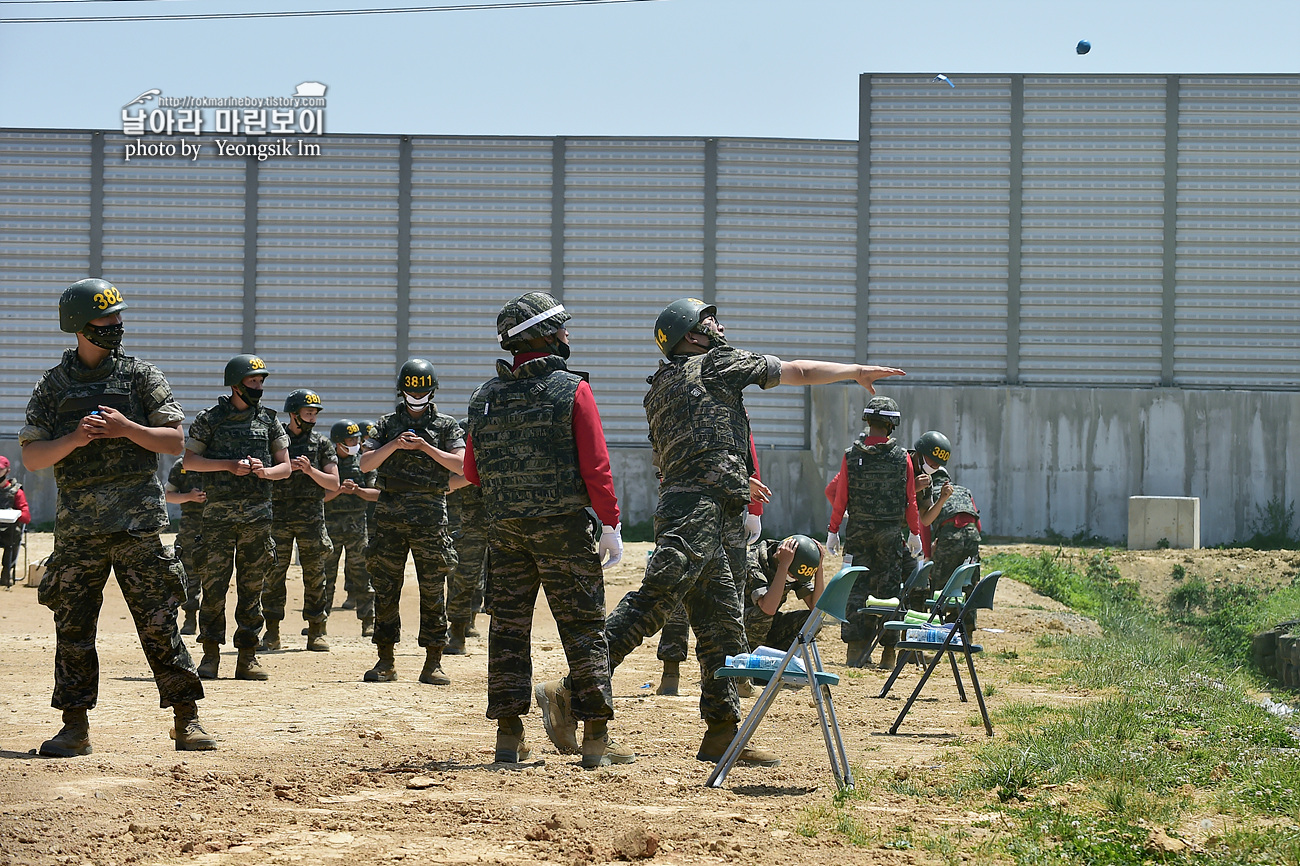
x=528 y=323
x=885 y=413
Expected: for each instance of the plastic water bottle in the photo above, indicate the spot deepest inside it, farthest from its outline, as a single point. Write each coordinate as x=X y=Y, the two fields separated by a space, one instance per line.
x=752 y=661
x=932 y=634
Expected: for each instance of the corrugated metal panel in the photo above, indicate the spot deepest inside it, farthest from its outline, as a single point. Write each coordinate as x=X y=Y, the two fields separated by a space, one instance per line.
x=1092 y=230
x=787 y=249
x=480 y=235
x=327 y=275
x=1238 y=265
x=939 y=202
x=44 y=246
x=633 y=242
x=174 y=244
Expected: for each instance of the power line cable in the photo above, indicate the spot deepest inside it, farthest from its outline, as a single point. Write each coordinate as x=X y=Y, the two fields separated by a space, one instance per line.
x=315 y=13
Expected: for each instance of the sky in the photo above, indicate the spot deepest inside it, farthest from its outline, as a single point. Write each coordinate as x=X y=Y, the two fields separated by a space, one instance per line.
x=783 y=68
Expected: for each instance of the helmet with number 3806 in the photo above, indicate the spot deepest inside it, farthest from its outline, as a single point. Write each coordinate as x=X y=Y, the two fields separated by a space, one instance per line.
x=87 y=300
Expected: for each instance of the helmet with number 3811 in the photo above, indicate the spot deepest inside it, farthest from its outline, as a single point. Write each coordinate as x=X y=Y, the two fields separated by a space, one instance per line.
x=417 y=377
x=87 y=300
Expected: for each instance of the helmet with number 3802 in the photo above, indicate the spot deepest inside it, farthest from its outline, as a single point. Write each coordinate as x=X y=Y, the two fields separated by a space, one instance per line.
x=87 y=300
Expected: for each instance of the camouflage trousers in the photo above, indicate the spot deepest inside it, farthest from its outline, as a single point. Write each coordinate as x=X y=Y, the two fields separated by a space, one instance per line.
x=883 y=549
x=11 y=538
x=189 y=550
x=952 y=547
x=742 y=562
x=248 y=550
x=314 y=548
x=558 y=555
x=777 y=631
x=435 y=557
x=465 y=586
x=689 y=564
x=348 y=532
x=151 y=583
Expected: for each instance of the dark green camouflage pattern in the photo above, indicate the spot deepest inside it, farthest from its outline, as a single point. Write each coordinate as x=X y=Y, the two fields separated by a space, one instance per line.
x=249 y=550
x=775 y=631
x=877 y=482
x=884 y=551
x=151 y=583
x=413 y=471
x=107 y=485
x=189 y=532
x=430 y=546
x=689 y=563
x=345 y=523
x=521 y=423
x=298 y=499
x=556 y=554
x=223 y=433
x=314 y=549
x=673 y=640
x=698 y=426
x=960 y=502
x=469 y=533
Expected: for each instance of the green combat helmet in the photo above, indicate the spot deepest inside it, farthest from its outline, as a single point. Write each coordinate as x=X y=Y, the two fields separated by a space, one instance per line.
x=678 y=319
x=417 y=377
x=241 y=366
x=883 y=411
x=85 y=300
x=807 y=557
x=301 y=398
x=528 y=317
x=343 y=430
x=934 y=445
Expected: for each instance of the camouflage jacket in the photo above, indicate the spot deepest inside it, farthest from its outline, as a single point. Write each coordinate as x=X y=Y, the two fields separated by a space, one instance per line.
x=877 y=479
x=107 y=485
x=180 y=481
x=225 y=433
x=761 y=578
x=413 y=486
x=698 y=426
x=349 y=503
x=298 y=498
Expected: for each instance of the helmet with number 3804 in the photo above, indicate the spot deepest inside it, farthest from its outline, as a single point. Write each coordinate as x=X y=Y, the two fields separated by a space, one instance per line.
x=87 y=300
x=417 y=377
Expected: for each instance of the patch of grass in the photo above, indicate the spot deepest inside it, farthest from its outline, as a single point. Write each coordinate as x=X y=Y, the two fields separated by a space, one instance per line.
x=1224 y=617
x=1273 y=526
x=1099 y=591
x=642 y=531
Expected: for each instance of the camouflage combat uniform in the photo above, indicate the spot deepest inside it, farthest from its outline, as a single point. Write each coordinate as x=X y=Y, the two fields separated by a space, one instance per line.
x=953 y=544
x=412 y=516
x=236 y=517
x=521 y=425
x=877 y=536
x=189 y=534
x=345 y=521
x=700 y=432
x=674 y=639
x=298 y=513
x=780 y=630
x=469 y=523
x=109 y=513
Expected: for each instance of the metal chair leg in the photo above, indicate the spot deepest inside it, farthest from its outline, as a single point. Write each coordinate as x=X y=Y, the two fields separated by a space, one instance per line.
x=979 y=695
x=916 y=691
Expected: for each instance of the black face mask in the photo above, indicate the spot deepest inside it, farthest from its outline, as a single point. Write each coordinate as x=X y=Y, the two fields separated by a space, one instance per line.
x=251 y=396
x=104 y=336
x=560 y=348
x=304 y=426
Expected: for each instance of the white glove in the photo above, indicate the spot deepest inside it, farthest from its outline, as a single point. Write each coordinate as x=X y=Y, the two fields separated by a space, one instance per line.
x=753 y=527
x=832 y=542
x=610 y=548
x=914 y=544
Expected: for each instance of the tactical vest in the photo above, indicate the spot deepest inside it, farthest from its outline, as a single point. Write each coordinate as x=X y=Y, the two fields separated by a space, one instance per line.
x=185 y=482
x=300 y=485
x=9 y=492
x=692 y=413
x=82 y=391
x=877 y=476
x=413 y=471
x=521 y=424
x=960 y=502
x=236 y=435
x=349 y=468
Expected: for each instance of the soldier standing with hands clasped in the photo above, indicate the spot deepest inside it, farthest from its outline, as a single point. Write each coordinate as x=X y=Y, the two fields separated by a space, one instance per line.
x=700 y=432
x=243 y=448
x=414 y=451
x=345 y=520
x=100 y=419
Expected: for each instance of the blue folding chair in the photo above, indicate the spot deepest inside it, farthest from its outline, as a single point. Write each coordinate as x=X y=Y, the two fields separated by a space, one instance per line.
x=958 y=640
x=832 y=603
x=895 y=608
x=945 y=604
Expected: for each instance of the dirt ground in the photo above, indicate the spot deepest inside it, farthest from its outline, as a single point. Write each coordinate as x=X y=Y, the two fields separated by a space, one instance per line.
x=316 y=766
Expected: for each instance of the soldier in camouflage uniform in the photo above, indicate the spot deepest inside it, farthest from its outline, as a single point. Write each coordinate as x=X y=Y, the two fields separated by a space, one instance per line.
x=792 y=565
x=183 y=489
x=369 y=430
x=298 y=506
x=955 y=526
x=100 y=419
x=469 y=531
x=243 y=448
x=878 y=487
x=931 y=452
x=414 y=452
x=345 y=520
x=538 y=451
x=700 y=431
